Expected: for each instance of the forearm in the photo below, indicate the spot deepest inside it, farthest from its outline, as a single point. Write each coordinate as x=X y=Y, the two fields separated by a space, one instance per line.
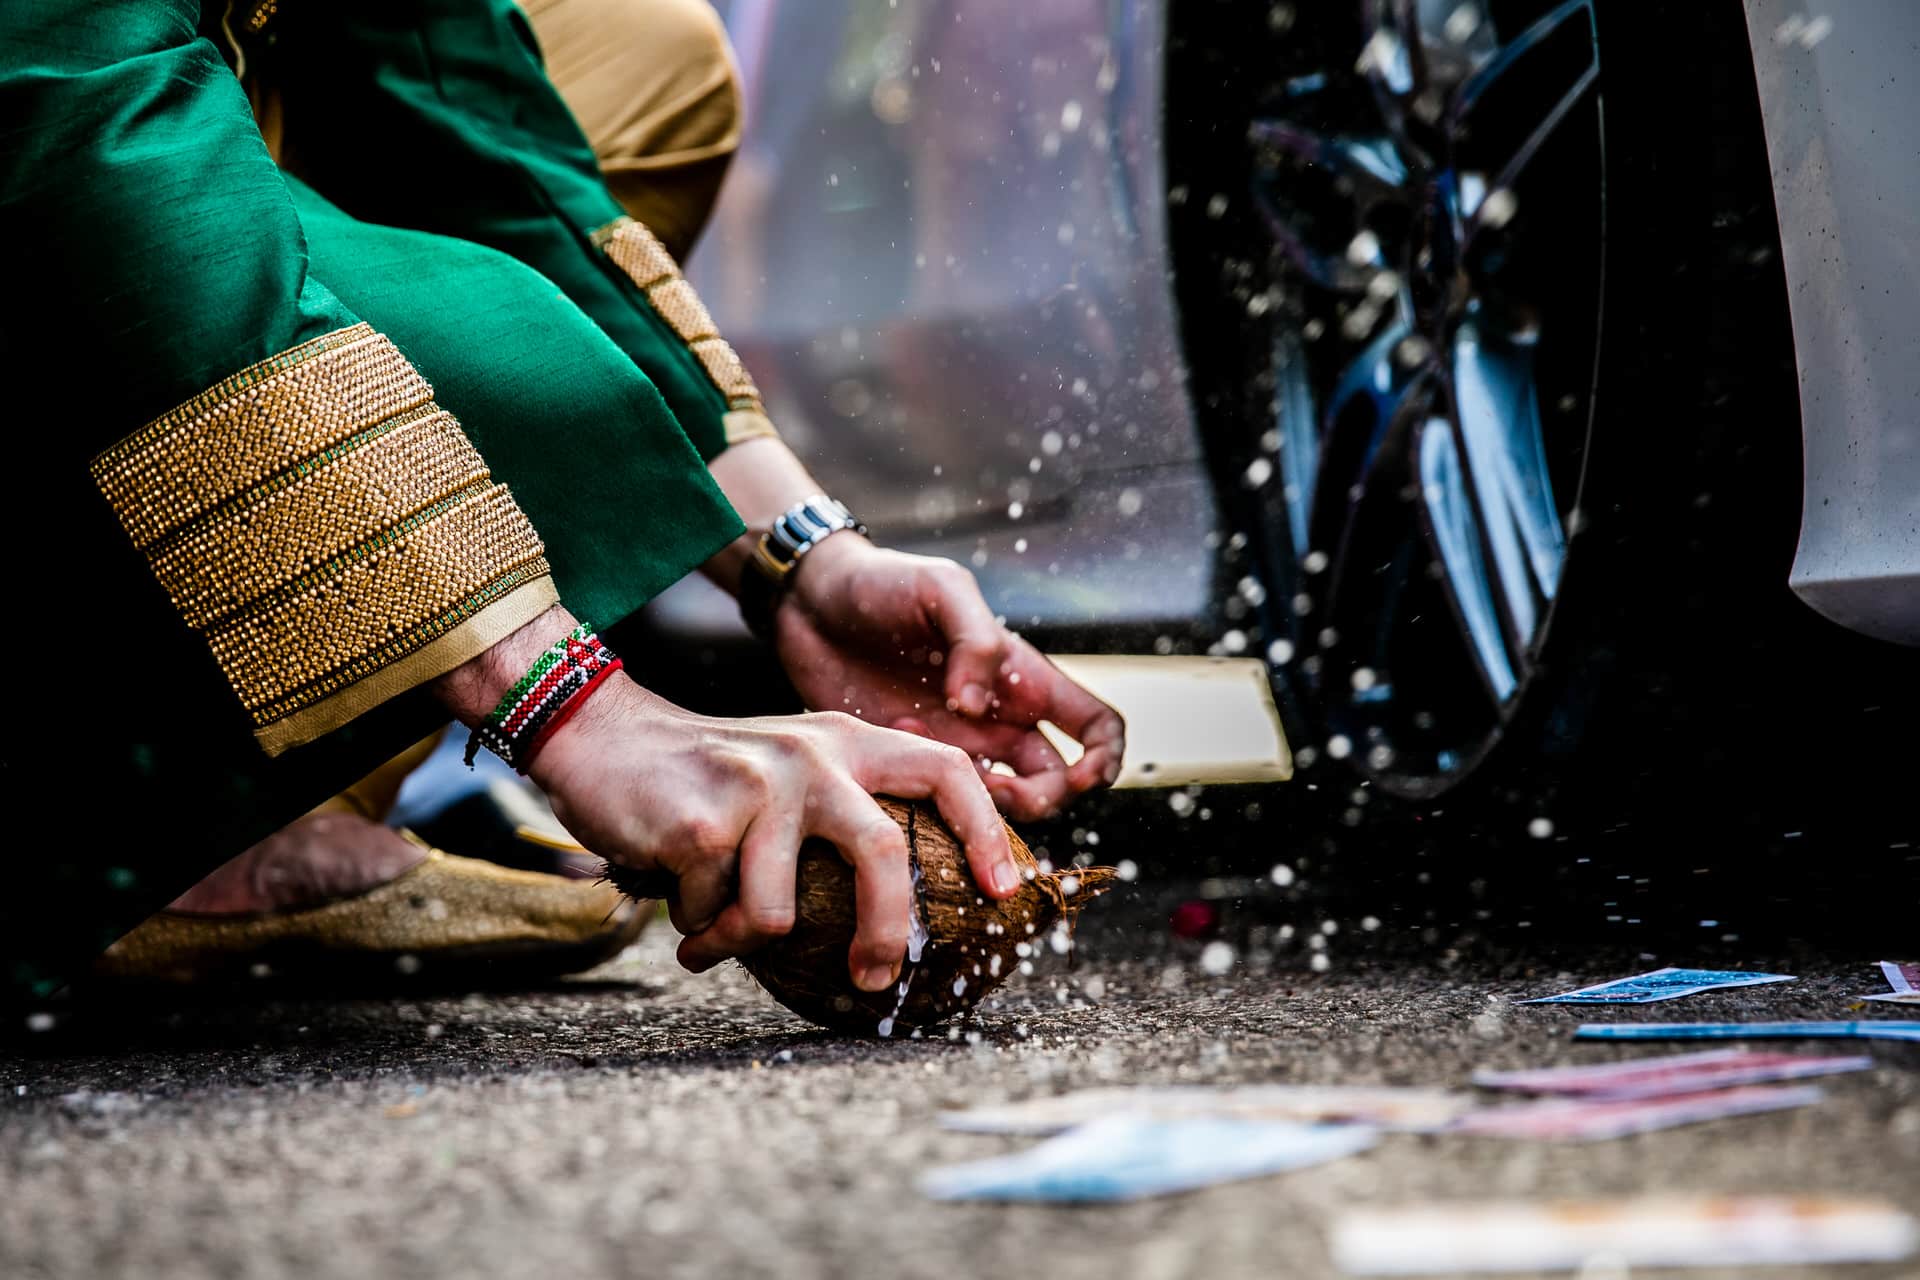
x=761 y=478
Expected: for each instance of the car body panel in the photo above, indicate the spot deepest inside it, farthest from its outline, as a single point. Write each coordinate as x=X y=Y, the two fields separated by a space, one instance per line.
x=1840 y=97
x=942 y=252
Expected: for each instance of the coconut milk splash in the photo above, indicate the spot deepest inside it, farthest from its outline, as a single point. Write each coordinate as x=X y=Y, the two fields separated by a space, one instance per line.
x=916 y=945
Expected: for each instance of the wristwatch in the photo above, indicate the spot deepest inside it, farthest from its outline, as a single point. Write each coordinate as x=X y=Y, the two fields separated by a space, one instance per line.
x=778 y=552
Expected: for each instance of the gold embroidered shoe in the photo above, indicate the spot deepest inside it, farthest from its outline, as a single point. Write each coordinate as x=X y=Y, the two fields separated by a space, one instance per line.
x=445 y=919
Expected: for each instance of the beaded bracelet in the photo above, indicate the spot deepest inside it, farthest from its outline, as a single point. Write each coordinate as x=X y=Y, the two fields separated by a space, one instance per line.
x=545 y=698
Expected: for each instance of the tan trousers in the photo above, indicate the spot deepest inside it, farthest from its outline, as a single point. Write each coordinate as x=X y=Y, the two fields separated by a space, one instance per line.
x=653 y=85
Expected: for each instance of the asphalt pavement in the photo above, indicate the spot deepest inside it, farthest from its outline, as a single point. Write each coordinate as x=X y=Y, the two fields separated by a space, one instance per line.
x=643 y=1122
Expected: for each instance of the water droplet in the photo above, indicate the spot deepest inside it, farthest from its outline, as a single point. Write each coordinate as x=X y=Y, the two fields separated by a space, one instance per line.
x=1216 y=958
x=1280 y=652
x=1339 y=746
x=1258 y=472
x=1128 y=870
x=1540 y=828
x=1499 y=208
x=1282 y=874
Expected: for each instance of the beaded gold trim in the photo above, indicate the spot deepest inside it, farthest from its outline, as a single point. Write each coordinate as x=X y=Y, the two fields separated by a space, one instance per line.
x=639 y=253
x=284 y=528
x=718 y=358
x=323 y=522
x=258 y=423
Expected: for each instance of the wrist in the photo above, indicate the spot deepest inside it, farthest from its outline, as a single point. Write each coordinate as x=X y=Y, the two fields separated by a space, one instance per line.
x=818 y=574
x=587 y=736
x=800 y=534
x=762 y=479
x=474 y=688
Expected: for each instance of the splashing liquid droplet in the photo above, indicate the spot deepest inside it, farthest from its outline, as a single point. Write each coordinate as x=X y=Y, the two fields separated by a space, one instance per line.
x=916 y=947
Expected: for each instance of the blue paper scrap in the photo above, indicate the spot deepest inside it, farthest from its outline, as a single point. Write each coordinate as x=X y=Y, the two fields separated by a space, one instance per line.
x=1872 y=1030
x=1132 y=1157
x=1661 y=984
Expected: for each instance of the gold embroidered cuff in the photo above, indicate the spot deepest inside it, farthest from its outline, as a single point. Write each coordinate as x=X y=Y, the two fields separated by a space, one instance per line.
x=746 y=424
x=636 y=251
x=330 y=530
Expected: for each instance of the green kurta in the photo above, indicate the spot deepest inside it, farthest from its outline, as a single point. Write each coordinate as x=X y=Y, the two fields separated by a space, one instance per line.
x=152 y=248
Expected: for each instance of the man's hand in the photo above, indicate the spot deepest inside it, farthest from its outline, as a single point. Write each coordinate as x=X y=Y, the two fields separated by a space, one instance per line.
x=908 y=642
x=723 y=805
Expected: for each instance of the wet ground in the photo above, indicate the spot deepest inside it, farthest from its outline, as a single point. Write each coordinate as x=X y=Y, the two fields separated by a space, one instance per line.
x=641 y=1122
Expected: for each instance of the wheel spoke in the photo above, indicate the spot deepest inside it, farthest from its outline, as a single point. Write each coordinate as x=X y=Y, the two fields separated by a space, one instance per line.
x=1455 y=540
x=1389 y=391
x=1299 y=434
x=1499 y=414
x=1516 y=164
x=1498 y=425
x=1392 y=57
x=1370 y=167
x=1477 y=84
x=1367 y=162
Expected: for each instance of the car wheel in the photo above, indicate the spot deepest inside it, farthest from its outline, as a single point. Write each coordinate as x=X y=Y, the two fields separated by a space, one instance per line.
x=1487 y=329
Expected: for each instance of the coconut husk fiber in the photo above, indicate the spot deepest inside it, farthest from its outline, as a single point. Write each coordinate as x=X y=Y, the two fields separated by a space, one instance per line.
x=969 y=947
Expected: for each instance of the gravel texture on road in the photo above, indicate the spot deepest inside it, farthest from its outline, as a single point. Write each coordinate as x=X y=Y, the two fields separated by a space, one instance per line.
x=643 y=1122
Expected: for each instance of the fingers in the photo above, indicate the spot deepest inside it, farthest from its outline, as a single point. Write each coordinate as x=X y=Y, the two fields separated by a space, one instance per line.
x=947 y=774
x=728 y=936
x=1028 y=798
x=704 y=890
x=875 y=846
x=764 y=911
x=1096 y=726
x=976 y=642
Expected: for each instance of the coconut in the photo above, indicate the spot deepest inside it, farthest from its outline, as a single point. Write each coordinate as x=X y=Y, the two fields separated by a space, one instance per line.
x=964 y=943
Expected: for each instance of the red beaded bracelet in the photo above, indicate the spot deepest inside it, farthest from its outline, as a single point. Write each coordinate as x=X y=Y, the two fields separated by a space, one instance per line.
x=545 y=698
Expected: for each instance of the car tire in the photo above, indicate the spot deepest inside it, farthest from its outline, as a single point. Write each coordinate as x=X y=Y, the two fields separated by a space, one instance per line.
x=1689 y=746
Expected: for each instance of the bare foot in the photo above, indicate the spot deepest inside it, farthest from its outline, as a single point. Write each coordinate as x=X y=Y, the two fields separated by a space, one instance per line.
x=315 y=859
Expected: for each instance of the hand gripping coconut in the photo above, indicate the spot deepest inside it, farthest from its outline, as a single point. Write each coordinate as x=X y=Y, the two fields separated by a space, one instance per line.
x=964 y=944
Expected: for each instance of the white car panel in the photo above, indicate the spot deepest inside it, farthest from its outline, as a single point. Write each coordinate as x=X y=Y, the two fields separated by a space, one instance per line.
x=1840 y=92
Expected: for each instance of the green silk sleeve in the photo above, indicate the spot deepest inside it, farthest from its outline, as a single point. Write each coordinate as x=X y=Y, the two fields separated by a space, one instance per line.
x=437 y=115
x=303 y=503
x=144 y=224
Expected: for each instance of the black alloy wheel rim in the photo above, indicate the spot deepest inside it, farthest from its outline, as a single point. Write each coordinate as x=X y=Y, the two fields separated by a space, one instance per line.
x=1436 y=212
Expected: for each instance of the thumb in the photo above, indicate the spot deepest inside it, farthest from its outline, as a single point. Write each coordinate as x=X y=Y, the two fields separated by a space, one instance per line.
x=976 y=642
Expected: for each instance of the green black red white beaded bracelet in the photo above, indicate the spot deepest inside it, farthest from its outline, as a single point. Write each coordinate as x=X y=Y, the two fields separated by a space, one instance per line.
x=545 y=698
